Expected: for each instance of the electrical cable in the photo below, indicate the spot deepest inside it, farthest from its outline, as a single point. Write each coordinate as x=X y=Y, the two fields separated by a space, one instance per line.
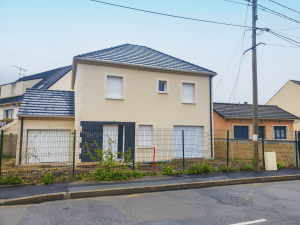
x=282 y=46
x=284 y=6
x=296 y=43
x=164 y=14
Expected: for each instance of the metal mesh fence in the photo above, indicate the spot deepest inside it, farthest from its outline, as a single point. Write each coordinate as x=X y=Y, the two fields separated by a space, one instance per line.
x=68 y=154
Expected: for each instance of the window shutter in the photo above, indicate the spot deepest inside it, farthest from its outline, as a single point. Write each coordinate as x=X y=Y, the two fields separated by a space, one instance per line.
x=145 y=136
x=114 y=87
x=188 y=93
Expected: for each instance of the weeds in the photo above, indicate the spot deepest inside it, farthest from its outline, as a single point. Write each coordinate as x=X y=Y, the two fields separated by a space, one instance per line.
x=138 y=165
x=279 y=166
x=200 y=169
x=48 y=178
x=10 y=179
x=167 y=169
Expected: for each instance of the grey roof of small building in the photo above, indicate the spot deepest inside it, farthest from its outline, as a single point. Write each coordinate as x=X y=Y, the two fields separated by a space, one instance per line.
x=47 y=103
x=48 y=77
x=296 y=81
x=129 y=54
x=11 y=100
x=227 y=110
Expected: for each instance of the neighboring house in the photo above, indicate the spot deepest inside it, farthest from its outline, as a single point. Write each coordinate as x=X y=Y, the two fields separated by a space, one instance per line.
x=287 y=98
x=11 y=94
x=128 y=93
x=274 y=122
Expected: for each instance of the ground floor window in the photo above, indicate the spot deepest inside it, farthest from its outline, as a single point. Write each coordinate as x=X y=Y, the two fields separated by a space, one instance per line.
x=279 y=132
x=261 y=132
x=145 y=136
x=241 y=132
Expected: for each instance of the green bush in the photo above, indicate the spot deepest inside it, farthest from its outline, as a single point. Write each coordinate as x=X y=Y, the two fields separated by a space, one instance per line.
x=137 y=174
x=279 y=166
x=224 y=169
x=48 y=178
x=248 y=168
x=10 y=179
x=138 y=165
x=167 y=169
x=200 y=169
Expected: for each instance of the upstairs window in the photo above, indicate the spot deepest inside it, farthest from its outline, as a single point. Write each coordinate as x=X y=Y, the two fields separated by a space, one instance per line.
x=8 y=114
x=145 y=136
x=188 y=93
x=114 y=87
x=279 y=132
x=162 y=86
x=14 y=89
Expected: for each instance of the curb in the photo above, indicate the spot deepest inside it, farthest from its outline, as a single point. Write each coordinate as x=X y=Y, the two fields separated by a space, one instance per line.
x=145 y=189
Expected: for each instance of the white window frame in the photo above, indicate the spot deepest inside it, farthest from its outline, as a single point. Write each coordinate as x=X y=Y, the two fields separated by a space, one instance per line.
x=4 y=114
x=166 y=81
x=286 y=132
x=195 y=91
x=14 y=88
x=123 y=76
x=141 y=138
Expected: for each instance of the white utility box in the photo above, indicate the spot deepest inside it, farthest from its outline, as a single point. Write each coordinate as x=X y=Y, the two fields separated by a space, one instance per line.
x=270 y=161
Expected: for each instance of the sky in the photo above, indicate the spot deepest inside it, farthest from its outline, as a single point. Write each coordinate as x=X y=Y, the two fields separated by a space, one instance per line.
x=44 y=35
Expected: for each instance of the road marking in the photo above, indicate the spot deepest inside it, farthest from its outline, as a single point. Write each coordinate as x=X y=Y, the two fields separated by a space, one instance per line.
x=250 y=222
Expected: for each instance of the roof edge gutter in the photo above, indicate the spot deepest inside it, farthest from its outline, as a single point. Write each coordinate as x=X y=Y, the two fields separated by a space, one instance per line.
x=47 y=116
x=250 y=118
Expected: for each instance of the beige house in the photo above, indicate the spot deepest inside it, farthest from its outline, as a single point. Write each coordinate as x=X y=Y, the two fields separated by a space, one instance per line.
x=11 y=94
x=131 y=88
x=133 y=95
x=287 y=99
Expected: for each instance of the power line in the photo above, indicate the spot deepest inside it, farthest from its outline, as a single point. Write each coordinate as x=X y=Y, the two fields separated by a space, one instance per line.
x=282 y=46
x=242 y=41
x=296 y=43
x=265 y=9
x=288 y=34
x=284 y=6
x=164 y=14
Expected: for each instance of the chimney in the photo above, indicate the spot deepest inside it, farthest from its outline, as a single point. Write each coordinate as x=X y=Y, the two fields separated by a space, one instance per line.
x=246 y=103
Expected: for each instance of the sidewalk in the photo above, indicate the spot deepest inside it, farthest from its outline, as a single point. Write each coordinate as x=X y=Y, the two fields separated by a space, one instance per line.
x=7 y=193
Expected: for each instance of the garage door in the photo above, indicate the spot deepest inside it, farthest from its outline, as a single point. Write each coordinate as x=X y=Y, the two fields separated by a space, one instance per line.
x=193 y=142
x=48 y=146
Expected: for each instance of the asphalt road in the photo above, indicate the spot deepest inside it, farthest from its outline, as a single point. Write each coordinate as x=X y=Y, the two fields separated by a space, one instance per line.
x=273 y=203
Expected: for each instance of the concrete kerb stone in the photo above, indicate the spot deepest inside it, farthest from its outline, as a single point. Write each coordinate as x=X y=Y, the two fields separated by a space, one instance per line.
x=145 y=189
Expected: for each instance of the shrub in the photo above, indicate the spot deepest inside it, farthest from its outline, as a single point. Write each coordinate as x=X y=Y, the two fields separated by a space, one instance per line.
x=224 y=169
x=48 y=178
x=10 y=179
x=137 y=174
x=279 y=166
x=167 y=169
x=138 y=165
x=200 y=169
x=248 y=168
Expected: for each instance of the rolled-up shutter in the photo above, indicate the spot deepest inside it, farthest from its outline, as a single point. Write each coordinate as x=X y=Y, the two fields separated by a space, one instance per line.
x=188 y=93
x=114 y=87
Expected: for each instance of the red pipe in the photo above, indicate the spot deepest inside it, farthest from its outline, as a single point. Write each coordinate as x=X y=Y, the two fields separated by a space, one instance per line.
x=154 y=160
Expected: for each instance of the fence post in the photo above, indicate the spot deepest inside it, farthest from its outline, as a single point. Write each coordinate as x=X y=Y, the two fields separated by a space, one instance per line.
x=154 y=160
x=74 y=154
x=183 y=149
x=227 y=146
x=296 y=143
x=133 y=150
x=1 y=149
x=263 y=148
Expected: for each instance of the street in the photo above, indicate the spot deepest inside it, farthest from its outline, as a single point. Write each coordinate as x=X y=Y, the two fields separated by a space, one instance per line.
x=266 y=203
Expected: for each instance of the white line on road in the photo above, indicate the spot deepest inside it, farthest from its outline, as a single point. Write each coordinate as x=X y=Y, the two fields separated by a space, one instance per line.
x=250 y=222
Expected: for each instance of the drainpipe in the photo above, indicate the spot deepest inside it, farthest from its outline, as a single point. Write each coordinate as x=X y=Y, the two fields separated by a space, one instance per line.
x=211 y=124
x=21 y=140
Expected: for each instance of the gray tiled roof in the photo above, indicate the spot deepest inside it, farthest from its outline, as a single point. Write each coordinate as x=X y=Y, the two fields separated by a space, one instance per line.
x=47 y=103
x=14 y=99
x=246 y=111
x=142 y=56
x=296 y=81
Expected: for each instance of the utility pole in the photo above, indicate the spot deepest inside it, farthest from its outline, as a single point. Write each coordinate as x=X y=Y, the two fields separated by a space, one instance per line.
x=254 y=84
